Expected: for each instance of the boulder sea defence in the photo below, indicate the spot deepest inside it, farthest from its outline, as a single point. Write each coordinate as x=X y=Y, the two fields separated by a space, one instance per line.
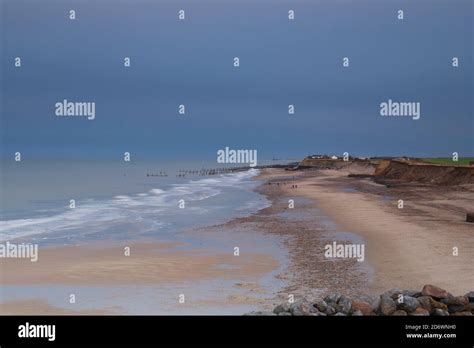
x=430 y=301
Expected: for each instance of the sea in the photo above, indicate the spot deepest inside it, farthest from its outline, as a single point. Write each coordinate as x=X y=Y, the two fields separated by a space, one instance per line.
x=69 y=202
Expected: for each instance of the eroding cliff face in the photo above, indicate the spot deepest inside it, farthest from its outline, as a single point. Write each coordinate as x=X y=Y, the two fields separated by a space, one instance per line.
x=404 y=171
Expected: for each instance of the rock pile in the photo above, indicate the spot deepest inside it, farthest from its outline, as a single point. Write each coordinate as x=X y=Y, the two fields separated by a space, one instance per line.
x=431 y=300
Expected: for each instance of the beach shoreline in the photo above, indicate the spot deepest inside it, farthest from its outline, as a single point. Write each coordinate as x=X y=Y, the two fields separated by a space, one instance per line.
x=404 y=249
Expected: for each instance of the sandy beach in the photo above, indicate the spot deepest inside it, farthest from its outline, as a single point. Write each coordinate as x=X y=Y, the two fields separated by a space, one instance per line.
x=405 y=248
x=152 y=262
x=157 y=264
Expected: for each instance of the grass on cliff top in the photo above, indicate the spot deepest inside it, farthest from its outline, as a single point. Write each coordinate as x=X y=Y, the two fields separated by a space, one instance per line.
x=464 y=161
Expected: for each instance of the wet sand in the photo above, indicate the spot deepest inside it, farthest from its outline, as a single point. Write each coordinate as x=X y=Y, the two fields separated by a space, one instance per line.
x=150 y=263
x=42 y=307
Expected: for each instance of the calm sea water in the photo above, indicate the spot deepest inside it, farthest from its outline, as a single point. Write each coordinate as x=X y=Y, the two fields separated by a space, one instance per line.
x=117 y=200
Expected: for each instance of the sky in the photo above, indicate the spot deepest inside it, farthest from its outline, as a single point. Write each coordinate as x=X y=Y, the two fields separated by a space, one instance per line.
x=190 y=62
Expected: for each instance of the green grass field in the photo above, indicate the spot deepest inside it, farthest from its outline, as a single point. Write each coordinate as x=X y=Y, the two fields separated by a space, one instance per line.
x=464 y=161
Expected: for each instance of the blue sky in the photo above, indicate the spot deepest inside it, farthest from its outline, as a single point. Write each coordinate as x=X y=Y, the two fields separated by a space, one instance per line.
x=191 y=62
